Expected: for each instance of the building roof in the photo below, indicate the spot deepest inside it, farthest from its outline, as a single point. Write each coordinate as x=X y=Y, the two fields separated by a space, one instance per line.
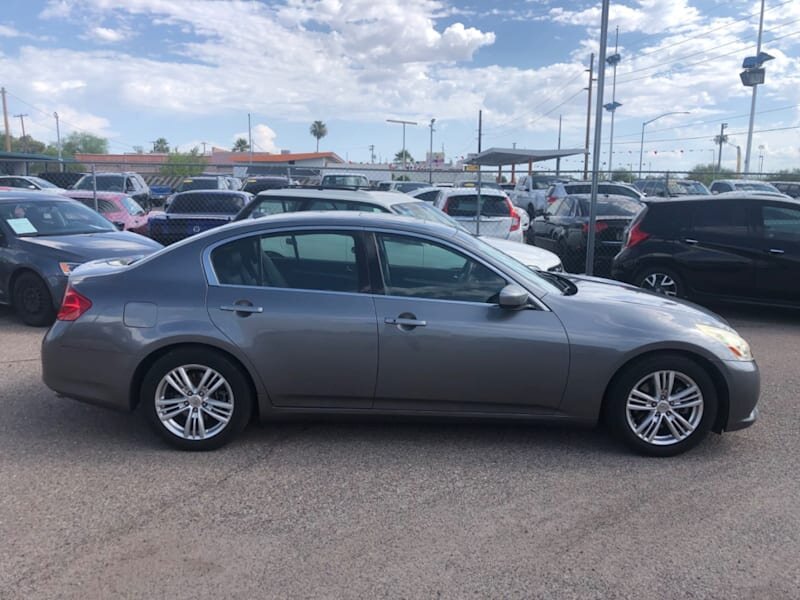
x=217 y=157
x=133 y=158
x=26 y=156
x=268 y=157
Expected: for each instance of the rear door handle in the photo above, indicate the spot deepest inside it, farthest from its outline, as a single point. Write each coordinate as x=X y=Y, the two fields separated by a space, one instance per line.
x=403 y=322
x=690 y=241
x=775 y=251
x=241 y=308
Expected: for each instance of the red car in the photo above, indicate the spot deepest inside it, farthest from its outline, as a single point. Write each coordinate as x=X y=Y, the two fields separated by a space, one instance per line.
x=120 y=209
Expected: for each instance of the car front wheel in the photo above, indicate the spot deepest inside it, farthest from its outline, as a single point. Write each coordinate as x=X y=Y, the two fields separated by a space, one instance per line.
x=196 y=399
x=32 y=300
x=662 y=406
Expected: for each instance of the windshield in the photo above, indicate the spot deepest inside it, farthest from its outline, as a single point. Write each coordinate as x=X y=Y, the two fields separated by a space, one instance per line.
x=685 y=188
x=199 y=203
x=105 y=183
x=46 y=218
x=522 y=272
x=611 y=207
x=757 y=187
x=198 y=184
x=425 y=212
x=42 y=183
x=132 y=206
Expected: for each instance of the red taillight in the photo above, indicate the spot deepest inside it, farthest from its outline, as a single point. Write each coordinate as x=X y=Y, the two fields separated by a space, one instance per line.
x=551 y=199
x=516 y=220
x=598 y=227
x=73 y=305
x=446 y=207
x=635 y=236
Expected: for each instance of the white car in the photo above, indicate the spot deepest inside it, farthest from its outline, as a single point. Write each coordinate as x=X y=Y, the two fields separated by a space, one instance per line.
x=28 y=182
x=344 y=180
x=499 y=218
x=272 y=202
x=400 y=186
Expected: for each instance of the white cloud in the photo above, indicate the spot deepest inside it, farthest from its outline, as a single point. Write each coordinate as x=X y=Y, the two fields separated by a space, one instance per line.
x=107 y=35
x=263 y=138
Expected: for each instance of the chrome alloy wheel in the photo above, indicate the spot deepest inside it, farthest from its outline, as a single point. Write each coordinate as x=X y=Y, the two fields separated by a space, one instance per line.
x=194 y=402
x=664 y=408
x=660 y=283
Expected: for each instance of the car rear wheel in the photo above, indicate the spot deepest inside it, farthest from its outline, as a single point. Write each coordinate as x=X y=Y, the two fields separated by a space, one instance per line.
x=32 y=300
x=662 y=406
x=196 y=399
x=661 y=281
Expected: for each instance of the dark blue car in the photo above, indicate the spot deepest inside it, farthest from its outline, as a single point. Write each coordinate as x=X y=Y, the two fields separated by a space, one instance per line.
x=42 y=238
x=195 y=211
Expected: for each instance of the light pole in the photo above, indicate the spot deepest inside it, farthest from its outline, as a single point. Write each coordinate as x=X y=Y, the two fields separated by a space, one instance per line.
x=612 y=106
x=430 y=155
x=403 y=123
x=761 y=149
x=641 y=145
x=721 y=139
x=752 y=76
x=58 y=138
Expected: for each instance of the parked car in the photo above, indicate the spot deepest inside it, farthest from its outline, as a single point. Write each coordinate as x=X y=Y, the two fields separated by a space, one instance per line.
x=530 y=192
x=300 y=200
x=256 y=184
x=721 y=186
x=376 y=315
x=194 y=211
x=123 y=211
x=742 y=247
x=203 y=182
x=344 y=180
x=159 y=195
x=613 y=188
x=42 y=238
x=400 y=186
x=790 y=188
x=498 y=217
x=128 y=183
x=564 y=229
x=28 y=182
x=677 y=187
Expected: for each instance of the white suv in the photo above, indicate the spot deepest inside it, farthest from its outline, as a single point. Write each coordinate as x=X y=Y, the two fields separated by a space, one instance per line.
x=499 y=218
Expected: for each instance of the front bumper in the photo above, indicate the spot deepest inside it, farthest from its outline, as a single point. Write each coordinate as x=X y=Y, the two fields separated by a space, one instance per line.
x=744 y=387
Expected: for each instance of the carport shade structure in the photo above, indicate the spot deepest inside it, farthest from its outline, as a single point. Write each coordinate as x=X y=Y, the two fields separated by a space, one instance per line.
x=497 y=157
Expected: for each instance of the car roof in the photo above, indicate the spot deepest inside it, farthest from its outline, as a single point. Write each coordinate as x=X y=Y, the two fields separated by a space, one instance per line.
x=9 y=196
x=214 y=193
x=374 y=197
x=734 y=181
x=603 y=196
x=765 y=197
x=473 y=191
x=348 y=173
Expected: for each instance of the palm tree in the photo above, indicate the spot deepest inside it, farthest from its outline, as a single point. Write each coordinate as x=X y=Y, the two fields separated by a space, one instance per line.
x=241 y=145
x=319 y=130
x=398 y=158
x=161 y=145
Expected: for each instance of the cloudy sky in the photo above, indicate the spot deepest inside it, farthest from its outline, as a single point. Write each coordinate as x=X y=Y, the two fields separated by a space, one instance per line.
x=191 y=70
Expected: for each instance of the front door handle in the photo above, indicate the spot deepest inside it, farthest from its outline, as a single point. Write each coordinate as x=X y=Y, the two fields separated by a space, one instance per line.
x=776 y=251
x=405 y=322
x=241 y=308
x=690 y=241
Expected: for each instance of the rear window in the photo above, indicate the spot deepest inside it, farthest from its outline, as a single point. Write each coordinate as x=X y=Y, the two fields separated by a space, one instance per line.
x=666 y=219
x=254 y=186
x=105 y=183
x=465 y=205
x=103 y=206
x=755 y=187
x=686 y=188
x=345 y=180
x=611 y=207
x=198 y=184
x=226 y=204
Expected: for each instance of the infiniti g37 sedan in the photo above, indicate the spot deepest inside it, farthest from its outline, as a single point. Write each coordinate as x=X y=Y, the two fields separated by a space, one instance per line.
x=322 y=313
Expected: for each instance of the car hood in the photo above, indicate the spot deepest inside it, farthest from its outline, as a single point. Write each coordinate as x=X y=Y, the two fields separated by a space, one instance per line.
x=530 y=256
x=91 y=246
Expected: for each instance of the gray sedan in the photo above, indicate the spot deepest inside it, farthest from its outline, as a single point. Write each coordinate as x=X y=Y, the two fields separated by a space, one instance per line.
x=342 y=313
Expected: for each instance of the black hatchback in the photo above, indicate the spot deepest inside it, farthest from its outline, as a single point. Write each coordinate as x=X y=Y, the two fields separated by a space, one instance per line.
x=743 y=248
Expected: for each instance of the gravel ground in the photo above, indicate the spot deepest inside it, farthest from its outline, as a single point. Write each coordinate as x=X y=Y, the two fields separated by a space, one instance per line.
x=92 y=505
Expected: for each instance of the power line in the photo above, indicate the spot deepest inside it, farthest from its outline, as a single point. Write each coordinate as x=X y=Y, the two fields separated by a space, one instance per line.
x=703 y=137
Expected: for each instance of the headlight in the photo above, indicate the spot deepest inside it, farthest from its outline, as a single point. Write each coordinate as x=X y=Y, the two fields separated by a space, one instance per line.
x=738 y=347
x=67 y=267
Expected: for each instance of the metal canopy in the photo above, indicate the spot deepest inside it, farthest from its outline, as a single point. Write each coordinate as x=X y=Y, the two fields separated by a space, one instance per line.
x=497 y=157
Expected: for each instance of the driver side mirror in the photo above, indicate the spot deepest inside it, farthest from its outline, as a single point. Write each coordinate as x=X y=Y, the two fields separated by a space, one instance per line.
x=513 y=297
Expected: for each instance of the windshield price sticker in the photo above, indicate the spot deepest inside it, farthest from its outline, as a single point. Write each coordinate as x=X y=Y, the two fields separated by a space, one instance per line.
x=21 y=226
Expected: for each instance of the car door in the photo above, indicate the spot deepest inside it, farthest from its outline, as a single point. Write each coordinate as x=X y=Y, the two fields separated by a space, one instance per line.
x=778 y=275
x=445 y=344
x=297 y=303
x=720 y=254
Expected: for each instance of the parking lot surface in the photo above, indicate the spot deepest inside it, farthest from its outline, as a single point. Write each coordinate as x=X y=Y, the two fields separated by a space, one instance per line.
x=93 y=505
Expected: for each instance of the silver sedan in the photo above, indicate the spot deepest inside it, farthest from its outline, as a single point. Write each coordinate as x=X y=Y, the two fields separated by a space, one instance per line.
x=344 y=313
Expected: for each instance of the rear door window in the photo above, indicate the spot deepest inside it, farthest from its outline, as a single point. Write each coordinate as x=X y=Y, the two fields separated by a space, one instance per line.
x=780 y=223
x=728 y=218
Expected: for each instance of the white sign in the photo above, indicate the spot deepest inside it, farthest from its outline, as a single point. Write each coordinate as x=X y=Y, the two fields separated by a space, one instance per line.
x=21 y=226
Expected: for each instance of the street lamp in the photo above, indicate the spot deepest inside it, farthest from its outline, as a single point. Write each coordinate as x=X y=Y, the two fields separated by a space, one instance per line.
x=403 y=123
x=753 y=76
x=430 y=155
x=641 y=146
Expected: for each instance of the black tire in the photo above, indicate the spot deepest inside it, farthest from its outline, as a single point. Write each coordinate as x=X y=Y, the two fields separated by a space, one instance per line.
x=652 y=278
x=616 y=412
x=237 y=381
x=33 y=301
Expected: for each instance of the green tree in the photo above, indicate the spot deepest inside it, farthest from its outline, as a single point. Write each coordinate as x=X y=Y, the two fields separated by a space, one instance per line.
x=161 y=146
x=79 y=142
x=398 y=158
x=622 y=175
x=184 y=163
x=708 y=173
x=27 y=144
x=787 y=175
x=319 y=130
x=240 y=145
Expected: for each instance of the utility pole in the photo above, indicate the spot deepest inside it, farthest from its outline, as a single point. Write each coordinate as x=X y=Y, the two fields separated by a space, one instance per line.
x=250 y=138
x=721 y=140
x=204 y=148
x=430 y=154
x=22 y=122
x=372 y=153
x=753 y=101
x=612 y=107
x=558 y=159
x=5 y=120
x=58 y=138
x=478 y=199
x=403 y=123
x=588 y=118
